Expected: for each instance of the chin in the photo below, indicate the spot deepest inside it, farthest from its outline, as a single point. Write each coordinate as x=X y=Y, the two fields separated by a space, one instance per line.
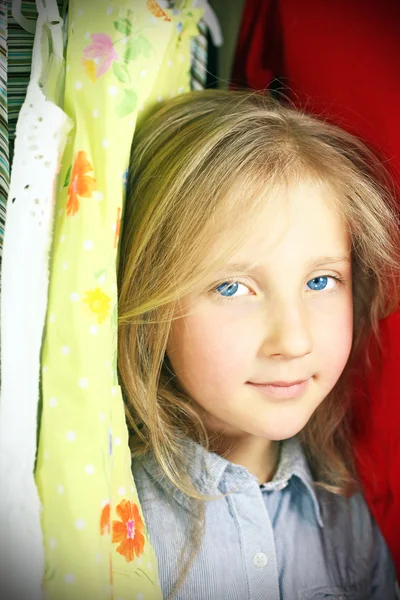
x=279 y=431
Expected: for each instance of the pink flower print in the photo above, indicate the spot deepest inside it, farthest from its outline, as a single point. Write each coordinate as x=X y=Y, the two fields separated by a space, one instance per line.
x=102 y=52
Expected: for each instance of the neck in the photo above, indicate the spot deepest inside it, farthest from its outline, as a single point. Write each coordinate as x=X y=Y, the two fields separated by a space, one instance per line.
x=259 y=456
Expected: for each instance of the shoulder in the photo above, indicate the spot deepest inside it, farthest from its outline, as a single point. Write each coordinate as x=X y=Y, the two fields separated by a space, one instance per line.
x=350 y=526
x=168 y=522
x=149 y=481
x=351 y=515
x=349 y=519
x=157 y=495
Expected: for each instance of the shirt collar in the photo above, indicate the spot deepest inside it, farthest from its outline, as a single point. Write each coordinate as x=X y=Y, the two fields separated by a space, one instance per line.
x=293 y=463
x=207 y=470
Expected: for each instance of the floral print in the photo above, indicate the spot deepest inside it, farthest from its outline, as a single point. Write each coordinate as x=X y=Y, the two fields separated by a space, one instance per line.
x=129 y=531
x=79 y=182
x=99 y=303
x=105 y=519
x=117 y=227
x=90 y=68
x=123 y=58
x=156 y=10
x=125 y=179
x=99 y=55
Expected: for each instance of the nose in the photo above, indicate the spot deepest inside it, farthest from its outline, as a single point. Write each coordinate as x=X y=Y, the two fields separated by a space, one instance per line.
x=288 y=332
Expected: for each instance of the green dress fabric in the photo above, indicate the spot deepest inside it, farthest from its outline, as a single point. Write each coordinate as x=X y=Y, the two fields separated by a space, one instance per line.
x=123 y=58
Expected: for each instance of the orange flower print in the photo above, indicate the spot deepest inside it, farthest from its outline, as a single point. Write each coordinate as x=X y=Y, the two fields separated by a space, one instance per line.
x=156 y=10
x=105 y=520
x=99 y=303
x=129 y=531
x=80 y=184
x=117 y=227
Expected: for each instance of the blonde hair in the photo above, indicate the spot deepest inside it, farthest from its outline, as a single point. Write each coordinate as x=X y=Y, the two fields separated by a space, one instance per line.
x=200 y=161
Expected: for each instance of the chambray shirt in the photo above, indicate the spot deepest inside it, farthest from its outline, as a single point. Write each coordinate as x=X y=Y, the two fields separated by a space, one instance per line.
x=285 y=540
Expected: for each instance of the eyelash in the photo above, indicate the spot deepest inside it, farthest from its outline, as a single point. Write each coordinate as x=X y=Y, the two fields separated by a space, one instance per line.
x=219 y=296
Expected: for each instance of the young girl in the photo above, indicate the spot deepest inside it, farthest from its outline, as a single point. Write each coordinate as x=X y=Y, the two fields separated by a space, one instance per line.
x=258 y=253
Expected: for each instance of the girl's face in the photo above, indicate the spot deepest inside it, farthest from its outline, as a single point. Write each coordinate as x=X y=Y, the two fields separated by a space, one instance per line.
x=268 y=336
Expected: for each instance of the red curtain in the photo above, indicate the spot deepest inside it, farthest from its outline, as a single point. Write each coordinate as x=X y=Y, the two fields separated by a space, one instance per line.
x=340 y=59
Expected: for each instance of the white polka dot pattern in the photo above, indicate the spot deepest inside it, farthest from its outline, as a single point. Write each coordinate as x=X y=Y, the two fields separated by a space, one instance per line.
x=118 y=71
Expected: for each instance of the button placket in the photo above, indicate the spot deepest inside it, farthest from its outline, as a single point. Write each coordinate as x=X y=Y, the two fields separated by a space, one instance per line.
x=257 y=538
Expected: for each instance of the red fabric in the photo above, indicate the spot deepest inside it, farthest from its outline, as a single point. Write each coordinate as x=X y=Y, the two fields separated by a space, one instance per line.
x=340 y=59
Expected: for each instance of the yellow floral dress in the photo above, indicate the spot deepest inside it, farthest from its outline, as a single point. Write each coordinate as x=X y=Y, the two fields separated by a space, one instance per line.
x=123 y=57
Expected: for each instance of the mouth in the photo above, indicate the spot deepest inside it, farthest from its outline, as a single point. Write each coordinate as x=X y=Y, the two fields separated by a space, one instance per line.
x=282 y=389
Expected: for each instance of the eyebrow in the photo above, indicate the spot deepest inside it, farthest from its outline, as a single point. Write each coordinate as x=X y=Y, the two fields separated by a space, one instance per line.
x=255 y=267
x=332 y=260
x=240 y=268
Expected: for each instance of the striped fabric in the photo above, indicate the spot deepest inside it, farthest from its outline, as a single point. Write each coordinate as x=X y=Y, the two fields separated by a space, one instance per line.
x=198 y=71
x=4 y=163
x=20 y=45
x=16 y=47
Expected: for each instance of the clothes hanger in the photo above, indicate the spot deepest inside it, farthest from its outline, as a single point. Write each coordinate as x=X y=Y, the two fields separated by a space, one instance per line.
x=50 y=6
x=211 y=20
x=16 y=11
x=50 y=9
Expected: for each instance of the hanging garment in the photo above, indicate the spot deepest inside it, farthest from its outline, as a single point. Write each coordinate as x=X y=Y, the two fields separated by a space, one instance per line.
x=213 y=68
x=123 y=58
x=20 y=48
x=340 y=59
x=204 y=63
x=41 y=135
x=199 y=56
x=4 y=163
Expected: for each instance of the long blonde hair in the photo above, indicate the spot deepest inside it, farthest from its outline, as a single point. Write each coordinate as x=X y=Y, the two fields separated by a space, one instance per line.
x=198 y=163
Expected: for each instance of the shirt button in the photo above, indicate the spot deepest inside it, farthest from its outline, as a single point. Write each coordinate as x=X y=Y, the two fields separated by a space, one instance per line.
x=260 y=560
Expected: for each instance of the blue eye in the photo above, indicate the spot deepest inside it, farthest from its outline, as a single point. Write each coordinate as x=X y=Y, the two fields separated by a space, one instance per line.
x=319 y=283
x=227 y=289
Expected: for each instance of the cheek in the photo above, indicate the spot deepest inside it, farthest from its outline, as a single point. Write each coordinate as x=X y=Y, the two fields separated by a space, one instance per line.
x=333 y=343
x=208 y=353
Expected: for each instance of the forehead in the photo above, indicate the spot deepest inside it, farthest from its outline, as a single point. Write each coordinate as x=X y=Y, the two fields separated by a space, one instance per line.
x=302 y=220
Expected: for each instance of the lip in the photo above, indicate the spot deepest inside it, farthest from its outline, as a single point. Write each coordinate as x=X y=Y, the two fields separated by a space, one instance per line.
x=282 y=389
x=281 y=383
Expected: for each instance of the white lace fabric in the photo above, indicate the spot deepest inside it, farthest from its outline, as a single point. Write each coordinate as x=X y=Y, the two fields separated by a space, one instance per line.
x=41 y=135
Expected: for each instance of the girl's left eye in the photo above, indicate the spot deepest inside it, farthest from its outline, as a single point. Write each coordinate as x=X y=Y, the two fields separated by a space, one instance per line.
x=227 y=289
x=325 y=282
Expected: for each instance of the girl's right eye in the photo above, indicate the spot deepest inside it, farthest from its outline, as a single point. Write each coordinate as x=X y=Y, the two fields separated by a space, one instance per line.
x=229 y=289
